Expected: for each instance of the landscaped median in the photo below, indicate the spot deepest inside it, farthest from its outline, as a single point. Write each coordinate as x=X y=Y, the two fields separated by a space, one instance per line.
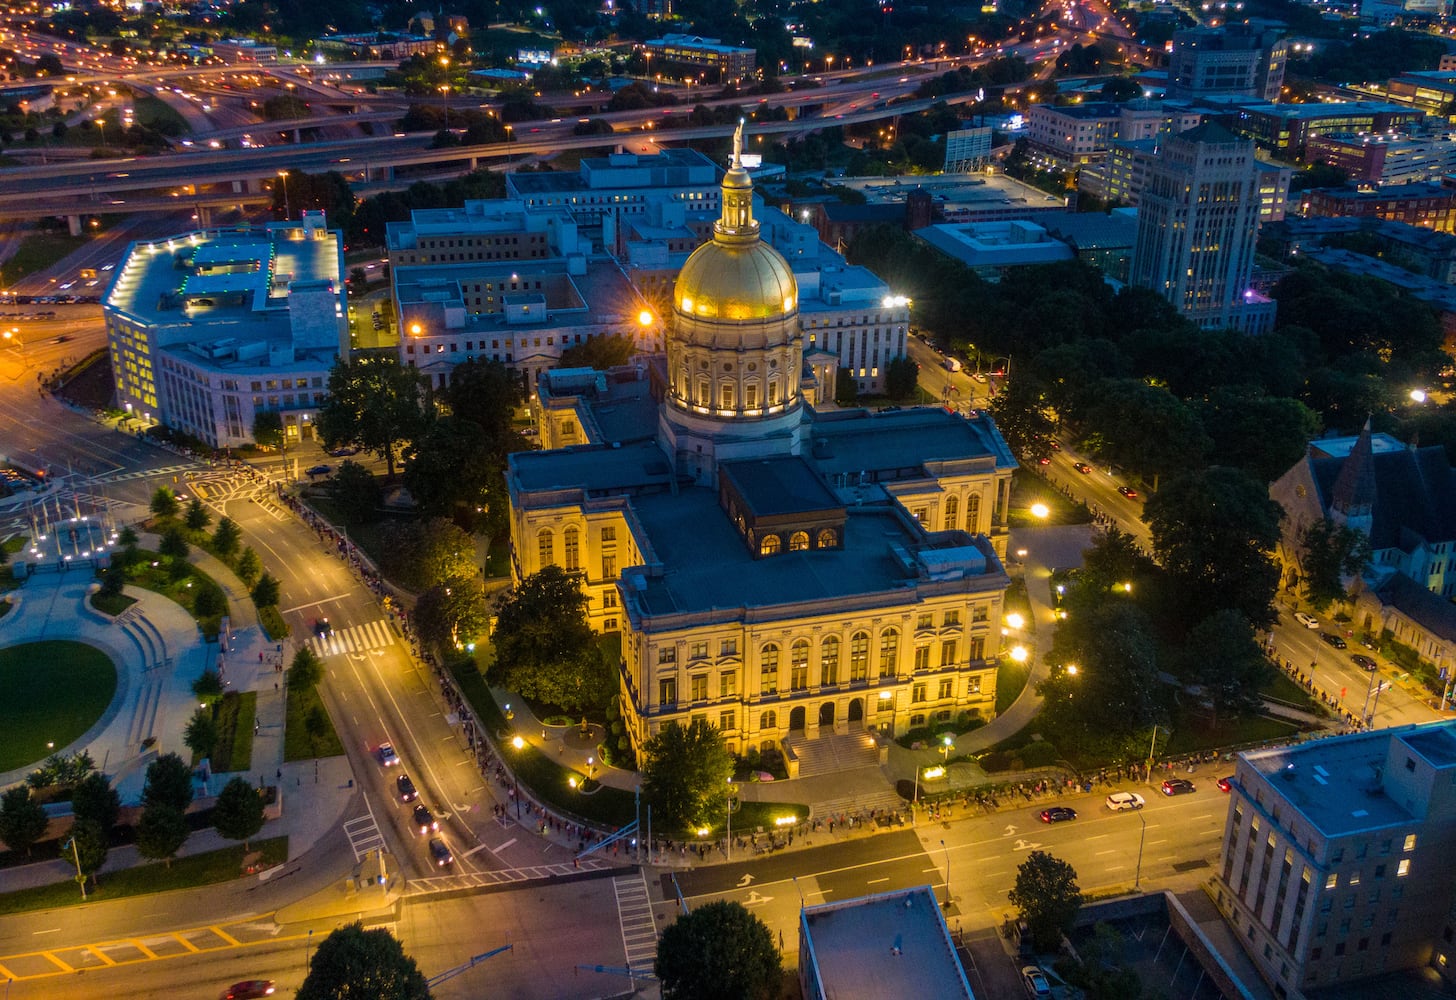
x=207 y=868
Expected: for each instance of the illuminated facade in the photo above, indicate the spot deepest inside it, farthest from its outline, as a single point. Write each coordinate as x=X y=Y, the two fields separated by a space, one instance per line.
x=781 y=572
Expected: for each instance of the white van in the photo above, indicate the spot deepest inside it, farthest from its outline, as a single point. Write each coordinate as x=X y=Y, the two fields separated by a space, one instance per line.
x=1118 y=801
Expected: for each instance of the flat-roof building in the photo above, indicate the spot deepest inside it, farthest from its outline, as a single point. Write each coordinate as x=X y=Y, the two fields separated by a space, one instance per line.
x=1430 y=205
x=1337 y=854
x=1385 y=158
x=1122 y=176
x=894 y=944
x=780 y=571
x=684 y=55
x=211 y=328
x=1074 y=135
x=989 y=248
x=1234 y=59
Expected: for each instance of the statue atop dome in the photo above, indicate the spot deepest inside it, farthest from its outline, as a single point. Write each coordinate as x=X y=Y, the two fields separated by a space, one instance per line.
x=738 y=145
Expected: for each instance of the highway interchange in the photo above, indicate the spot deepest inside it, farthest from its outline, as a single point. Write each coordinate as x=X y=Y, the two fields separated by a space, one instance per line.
x=192 y=942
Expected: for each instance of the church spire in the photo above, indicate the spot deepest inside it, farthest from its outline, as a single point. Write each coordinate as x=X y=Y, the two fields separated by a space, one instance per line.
x=736 y=225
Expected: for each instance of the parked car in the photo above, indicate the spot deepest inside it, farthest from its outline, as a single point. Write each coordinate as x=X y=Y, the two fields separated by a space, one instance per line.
x=1127 y=491
x=1178 y=786
x=1308 y=621
x=1226 y=783
x=1333 y=639
x=440 y=853
x=406 y=787
x=1083 y=468
x=424 y=820
x=344 y=452
x=318 y=470
x=1120 y=801
x=1034 y=981
x=386 y=755
x=1058 y=814
x=1362 y=661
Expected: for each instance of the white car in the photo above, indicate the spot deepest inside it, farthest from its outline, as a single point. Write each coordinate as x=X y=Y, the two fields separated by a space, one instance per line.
x=1118 y=801
x=1035 y=983
x=1308 y=621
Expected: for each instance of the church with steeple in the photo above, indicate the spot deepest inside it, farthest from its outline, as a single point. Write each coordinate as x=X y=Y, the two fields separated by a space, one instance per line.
x=787 y=571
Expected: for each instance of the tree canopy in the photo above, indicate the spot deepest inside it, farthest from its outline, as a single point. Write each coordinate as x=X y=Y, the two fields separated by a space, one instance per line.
x=238 y=814
x=544 y=648
x=719 y=951
x=374 y=403
x=22 y=819
x=1047 y=894
x=685 y=772
x=161 y=832
x=168 y=782
x=353 y=962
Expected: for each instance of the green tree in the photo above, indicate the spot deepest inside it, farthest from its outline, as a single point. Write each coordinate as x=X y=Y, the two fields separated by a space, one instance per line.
x=421 y=553
x=113 y=579
x=1222 y=655
x=450 y=465
x=484 y=394
x=197 y=517
x=265 y=591
x=452 y=612
x=1329 y=554
x=168 y=783
x=94 y=800
x=268 y=430
x=249 y=566
x=227 y=537
x=1020 y=412
x=544 y=648
x=315 y=724
x=23 y=819
x=174 y=544
x=238 y=814
x=1146 y=428
x=87 y=847
x=685 y=772
x=599 y=351
x=161 y=832
x=356 y=495
x=353 y=962
x=128 y=541
x=719 y=951
x=305 y=670
x=374 y=403
x=1046 y=891
x=208 y=686
x=1264 y=435
x=900 y=378
x=200 y=736
x=1213 y=531
x=164 y=502
x=846 y=389
x=1114 y=690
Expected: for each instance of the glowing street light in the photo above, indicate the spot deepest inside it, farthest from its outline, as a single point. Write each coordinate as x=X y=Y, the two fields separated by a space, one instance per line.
x=1040 y=510
x=1019 y=654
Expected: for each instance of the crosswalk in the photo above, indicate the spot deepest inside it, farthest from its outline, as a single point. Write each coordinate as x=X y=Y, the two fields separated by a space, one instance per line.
x=499 y=876
x=122 y=477
x=634 y=913
x=364 y=834
x=354 y=639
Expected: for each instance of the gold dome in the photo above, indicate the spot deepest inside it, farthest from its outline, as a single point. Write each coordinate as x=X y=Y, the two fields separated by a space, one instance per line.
x=736 y=276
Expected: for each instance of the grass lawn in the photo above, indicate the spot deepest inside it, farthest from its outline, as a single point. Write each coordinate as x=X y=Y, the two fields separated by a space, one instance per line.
x=158 y=114
x=1010 y=680
x=1190 y=737
x=39 y=251
x=273 y=624
x=151 y=572
x=1279 y=687
x=111 y=604
x=759 y=817
x=50 y=692
x=233 y=750
x=208 y=868
x=297 y=745
x=1028 y=488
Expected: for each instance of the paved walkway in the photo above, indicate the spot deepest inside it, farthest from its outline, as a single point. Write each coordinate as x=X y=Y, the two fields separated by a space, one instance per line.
x=159 y=651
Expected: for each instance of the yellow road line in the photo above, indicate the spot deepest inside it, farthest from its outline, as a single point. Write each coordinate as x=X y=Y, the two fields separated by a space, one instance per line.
x=64 y=969
x=143 y=949
x=93 y=949
x=234 y=942
x=199 y=491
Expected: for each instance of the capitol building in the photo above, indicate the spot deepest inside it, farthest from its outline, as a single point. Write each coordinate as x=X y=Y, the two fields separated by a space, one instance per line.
x=777 y=566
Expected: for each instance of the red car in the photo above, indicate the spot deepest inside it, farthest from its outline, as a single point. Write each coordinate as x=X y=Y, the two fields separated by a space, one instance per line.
x=248 y=989
x=1226 y=784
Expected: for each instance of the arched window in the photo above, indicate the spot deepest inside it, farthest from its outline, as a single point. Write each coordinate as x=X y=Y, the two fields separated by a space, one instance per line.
x=725 y=396
x=750 y=396
x=952 y=512
x=829 y=661
x=770 y=545
x=546 y=547
x=799 y=665
x=768 y=720
x=973 y=513
x=768 y=676
x=889 y=652
x=773 y=392
x=705 y=393
x=570 y=550
x=827 y=538
x=799 y=541
x=859 y=656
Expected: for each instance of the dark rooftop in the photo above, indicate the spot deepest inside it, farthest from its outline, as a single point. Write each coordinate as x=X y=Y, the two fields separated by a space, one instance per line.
x=785 y=485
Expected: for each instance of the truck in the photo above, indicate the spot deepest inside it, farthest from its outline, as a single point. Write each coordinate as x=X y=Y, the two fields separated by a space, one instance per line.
x=952 y=364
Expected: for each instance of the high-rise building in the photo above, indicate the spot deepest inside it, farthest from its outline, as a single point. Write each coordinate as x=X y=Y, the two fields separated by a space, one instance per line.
x=1236 y=59
x=1337 y=857
x=1197 y=221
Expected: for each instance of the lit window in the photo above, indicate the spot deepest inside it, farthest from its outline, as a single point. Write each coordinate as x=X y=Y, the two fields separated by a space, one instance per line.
x=1403 y=869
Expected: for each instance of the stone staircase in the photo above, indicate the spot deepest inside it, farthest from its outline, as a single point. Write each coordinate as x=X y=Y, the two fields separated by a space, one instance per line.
x=834 y=752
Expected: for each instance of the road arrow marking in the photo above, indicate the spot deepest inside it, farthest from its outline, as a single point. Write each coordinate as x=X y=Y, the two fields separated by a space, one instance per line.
x=1010 y=831
x=745 y=881
x=1023 y=845
x=754 y=899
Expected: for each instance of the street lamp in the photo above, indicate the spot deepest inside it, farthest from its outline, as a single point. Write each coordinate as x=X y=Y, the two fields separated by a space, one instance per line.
x=1138 y=875
x=946 y=745
x=728 y=850
x=445 y=93
x=947 y=873
x=287 y=210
